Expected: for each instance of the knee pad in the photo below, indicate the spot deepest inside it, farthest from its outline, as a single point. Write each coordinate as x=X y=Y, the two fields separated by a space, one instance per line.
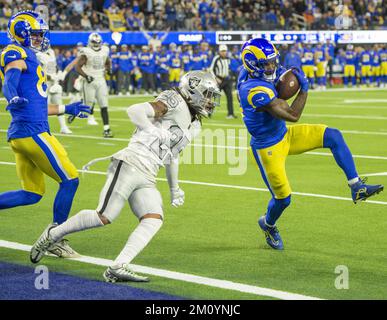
x=283 y=203
x=332 y=137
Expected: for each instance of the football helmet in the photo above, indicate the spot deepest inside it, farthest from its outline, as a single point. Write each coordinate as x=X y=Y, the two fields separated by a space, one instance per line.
x=260 y=58
x=201 y=91
x=95 y=41
x=28 y=29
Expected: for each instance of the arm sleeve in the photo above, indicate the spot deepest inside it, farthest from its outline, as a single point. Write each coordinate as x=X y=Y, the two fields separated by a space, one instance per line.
x=140 y=115
x=172 y=172
x=11 y=82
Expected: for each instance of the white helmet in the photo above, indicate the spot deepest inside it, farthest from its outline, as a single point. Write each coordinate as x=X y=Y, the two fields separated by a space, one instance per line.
x=201 y=92
x=95 y=41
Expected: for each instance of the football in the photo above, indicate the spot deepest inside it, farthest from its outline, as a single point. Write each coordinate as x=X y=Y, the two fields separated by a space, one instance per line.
x=287 y=85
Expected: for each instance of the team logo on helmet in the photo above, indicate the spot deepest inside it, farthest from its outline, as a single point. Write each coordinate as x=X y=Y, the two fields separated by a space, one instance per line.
x=193 y=82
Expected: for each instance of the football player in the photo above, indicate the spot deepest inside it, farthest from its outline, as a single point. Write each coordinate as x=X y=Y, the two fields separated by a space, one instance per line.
x=37 y=151
x=350 y=66
x=321 y=62
x=93 y=62
x=365 y=66
x=272 y=141
x=54 y=89
x=164 y=127
x=308 y=63
x=383 y=66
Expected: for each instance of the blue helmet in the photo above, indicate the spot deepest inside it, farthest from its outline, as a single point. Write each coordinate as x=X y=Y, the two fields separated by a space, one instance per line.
x=24 y=26
x=256 y=54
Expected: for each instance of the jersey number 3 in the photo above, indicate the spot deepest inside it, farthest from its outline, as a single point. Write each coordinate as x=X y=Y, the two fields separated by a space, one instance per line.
x=41 y=84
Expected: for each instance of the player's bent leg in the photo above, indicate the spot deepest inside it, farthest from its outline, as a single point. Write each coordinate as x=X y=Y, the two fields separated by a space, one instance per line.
x=31 y=177
x=18 y=198
x=334 y=140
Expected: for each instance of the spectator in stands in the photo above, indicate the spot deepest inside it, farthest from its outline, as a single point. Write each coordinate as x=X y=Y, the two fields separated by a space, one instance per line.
x=78 y=6
x=85 y=23
x=75 y=21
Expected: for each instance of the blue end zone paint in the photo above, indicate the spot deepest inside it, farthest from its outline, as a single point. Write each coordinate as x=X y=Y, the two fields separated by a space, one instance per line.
x=18 y=283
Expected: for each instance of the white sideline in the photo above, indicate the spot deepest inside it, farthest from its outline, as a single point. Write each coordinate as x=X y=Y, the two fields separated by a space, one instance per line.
x=230 y=186
x=217 y=283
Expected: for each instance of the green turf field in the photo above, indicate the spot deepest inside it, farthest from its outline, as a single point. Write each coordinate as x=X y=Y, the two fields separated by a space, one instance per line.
x=215 y=233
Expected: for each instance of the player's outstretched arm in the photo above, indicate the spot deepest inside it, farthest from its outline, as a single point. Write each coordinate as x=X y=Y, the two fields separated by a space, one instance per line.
x=77 y=109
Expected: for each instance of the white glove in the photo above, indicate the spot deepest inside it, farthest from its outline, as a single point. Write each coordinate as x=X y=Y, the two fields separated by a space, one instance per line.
x=177 y=197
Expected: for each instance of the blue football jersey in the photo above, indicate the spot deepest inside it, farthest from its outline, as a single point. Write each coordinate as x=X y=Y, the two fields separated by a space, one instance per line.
x=254 y=94
x=31 y=118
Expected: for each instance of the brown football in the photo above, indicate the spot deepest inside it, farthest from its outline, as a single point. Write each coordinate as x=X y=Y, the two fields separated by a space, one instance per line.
x=287 y=85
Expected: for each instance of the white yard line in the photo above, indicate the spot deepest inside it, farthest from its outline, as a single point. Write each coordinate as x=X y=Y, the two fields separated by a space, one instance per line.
x=230 y=186
x=377 y=174
x=186 y=277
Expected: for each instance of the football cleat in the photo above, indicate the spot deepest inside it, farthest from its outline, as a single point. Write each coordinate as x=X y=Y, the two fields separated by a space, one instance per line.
x=122 y=274
x=41 y=245
x=62 y=249
x=108 y=133
x=361 y=191
x=65 y=130
x=272 y=235
x=91 y=121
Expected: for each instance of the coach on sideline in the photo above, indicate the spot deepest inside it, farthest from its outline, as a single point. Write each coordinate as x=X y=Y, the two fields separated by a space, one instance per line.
x=220 y=67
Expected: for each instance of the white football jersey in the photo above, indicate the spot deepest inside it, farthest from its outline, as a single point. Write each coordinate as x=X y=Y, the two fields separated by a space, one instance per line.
x=48 y=61
x=146 y=151
x=95 y=64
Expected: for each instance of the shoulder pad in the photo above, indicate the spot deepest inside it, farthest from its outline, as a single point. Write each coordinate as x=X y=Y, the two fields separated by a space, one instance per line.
x=260 y=96
x=12 y=53
x=171 y=98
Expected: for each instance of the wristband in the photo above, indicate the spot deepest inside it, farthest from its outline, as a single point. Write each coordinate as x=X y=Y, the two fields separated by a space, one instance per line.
x=61 y=109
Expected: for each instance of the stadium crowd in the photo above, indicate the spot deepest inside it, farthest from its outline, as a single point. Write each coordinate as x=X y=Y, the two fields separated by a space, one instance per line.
x=206 y=14
x=148 y=70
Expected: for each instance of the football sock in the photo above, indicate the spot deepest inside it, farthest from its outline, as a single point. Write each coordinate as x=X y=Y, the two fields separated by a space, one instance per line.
x=138 y=240
x=17 y=198
x=275 y=209
x=62 y=121
x=83 y=220
x=345 y=80
x=105 y=116
x=334 y=140
x=64 y=199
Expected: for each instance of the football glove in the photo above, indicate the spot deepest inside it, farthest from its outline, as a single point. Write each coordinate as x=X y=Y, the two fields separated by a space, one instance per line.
x=16 y=102
x=177 y=197
x=78 y=109
x=302 y=79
